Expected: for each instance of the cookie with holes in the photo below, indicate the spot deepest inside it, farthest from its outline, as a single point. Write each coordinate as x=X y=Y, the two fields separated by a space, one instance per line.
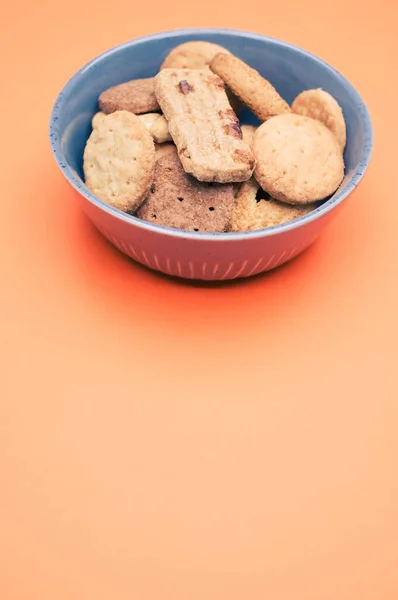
x=119 y=160
x=255 y=209
x=298 y=160
x=178 y=200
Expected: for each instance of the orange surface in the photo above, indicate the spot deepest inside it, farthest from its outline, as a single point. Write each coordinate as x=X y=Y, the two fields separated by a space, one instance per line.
x=160 y=440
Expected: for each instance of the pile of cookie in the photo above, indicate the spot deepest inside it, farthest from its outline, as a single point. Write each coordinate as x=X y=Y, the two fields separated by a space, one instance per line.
x=171 y=150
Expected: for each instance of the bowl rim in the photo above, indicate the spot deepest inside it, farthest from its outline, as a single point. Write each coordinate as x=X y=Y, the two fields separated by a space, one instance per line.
x=320 y=211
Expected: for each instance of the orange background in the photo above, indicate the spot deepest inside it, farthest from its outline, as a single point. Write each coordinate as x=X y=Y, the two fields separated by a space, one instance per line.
x=160 y=440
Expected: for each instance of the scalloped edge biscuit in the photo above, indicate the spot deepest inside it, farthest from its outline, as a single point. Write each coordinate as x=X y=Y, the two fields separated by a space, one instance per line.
x=320 y=105
x=119 y=160
x=255 y=209
x=298 y=160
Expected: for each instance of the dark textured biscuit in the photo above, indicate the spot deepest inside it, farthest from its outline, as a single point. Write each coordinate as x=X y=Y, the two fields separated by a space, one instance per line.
x=136 y=96
x=180 y=201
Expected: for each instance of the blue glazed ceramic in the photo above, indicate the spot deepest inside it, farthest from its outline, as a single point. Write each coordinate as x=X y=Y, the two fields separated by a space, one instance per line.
x=218 y=256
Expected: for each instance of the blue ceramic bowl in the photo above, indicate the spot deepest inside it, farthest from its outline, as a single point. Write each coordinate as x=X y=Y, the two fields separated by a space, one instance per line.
x=209 y=256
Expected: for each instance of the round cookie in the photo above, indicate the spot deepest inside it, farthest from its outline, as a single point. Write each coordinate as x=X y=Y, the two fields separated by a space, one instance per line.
x=321 y=106
x=247 y=84
x=298 y=160
x=192 y=55
x=255 y=209
x=119 y=160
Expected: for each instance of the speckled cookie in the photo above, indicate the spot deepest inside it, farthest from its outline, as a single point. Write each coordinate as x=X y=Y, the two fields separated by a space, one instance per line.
x=256 y=92
x=180 y=201
x=192 y=55
x=136 y=96
x=160 y=130
x=255 y=209
x=203 y=126
x=298 y=160
x=321 y=106
x=119 y=160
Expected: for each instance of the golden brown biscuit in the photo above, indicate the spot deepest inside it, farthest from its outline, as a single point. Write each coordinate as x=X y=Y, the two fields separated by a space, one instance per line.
x=298 y=160
x=247 y=83
x=321 y=106
x=178 y=200
x=136 y=96
x=192 y=55
x=255 y=209
x=160 y=130
x=119 y=160
x=203 y=126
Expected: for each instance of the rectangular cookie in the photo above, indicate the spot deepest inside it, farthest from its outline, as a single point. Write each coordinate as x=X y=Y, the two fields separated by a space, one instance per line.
x=203 y=125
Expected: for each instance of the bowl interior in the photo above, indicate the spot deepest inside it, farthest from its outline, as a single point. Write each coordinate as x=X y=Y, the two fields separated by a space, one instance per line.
x=288 y=68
